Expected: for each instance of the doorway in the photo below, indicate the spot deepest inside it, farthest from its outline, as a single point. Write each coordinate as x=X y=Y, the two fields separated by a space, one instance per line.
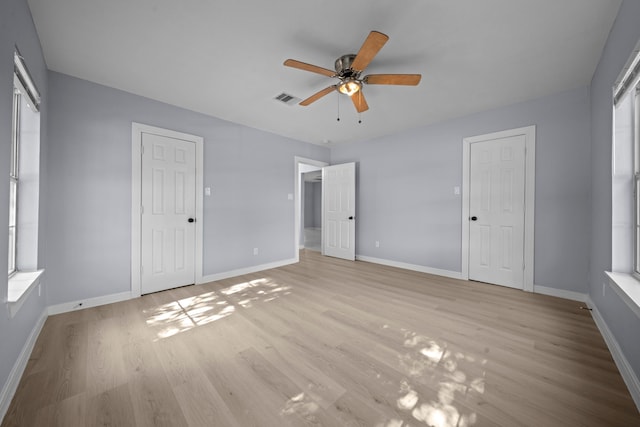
x=306 y=166
x=311 y=211
x=166 y=235
x=498 y=208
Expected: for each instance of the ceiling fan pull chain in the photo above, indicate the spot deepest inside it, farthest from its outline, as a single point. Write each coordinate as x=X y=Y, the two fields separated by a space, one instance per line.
x=338 y=98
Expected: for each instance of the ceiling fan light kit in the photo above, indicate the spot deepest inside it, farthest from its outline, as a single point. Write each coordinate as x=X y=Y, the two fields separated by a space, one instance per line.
x=350 y=86
x=348 y=69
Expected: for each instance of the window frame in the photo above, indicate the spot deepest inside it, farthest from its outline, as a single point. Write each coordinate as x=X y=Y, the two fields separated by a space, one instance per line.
x=627 y=85
x=636 y=177
x=24 y=181
x=14 y=179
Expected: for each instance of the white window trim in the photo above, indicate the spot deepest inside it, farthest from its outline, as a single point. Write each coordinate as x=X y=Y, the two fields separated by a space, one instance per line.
x=21 y=283
x=627 y=287
x=627 y=284
x=636 y=174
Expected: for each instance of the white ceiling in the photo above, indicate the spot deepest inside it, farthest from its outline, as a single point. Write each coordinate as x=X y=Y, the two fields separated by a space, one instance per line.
x=224 y=57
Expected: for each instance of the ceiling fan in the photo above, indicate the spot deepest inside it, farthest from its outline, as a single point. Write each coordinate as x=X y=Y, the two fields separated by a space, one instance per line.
x=348 y=69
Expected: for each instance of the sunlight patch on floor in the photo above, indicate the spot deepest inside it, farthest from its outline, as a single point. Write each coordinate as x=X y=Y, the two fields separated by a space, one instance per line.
x=301 y=406
x=187 y=313
x=430 y=362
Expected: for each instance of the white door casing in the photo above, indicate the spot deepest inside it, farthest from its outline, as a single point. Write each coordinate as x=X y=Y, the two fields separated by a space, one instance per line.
x=498 y=190
x=167 y=181
x=339 y=210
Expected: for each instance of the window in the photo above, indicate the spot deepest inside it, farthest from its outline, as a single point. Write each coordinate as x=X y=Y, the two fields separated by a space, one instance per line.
x=24 y=183
x=626 y=169
x=625 y=203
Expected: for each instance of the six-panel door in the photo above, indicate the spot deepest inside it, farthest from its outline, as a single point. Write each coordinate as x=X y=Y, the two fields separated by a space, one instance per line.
x=496 y=208
x=168 y=213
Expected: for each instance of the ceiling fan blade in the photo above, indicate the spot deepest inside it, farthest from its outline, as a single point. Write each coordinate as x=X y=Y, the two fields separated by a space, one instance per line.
x=393 y=79
x=309 y=67
x=369 y=50
x=318 y=95
x=359 y=102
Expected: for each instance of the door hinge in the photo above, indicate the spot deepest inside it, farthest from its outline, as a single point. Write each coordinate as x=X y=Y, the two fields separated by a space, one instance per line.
x=141 y=209
x=141 y=149
x=141 y=270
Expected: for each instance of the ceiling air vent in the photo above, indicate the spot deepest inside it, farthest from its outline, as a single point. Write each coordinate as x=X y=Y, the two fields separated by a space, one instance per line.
x=287 y=99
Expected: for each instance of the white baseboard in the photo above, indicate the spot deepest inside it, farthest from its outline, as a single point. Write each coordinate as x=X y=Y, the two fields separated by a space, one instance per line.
x=560 y=293
x=247 y=270
x=413 y=267
x=11 y=385
x=627 y=373
x=87 y=303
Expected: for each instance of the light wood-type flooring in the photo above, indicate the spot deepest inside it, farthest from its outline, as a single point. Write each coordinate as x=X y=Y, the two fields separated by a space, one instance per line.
x=325 y=342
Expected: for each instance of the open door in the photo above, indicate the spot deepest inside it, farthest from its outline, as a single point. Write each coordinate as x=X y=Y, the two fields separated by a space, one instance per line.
x=339 y=211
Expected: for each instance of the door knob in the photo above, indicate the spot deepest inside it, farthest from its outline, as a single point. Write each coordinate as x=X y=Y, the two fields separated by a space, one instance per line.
x=350 y=217
x=191 y=220
x=474 y=218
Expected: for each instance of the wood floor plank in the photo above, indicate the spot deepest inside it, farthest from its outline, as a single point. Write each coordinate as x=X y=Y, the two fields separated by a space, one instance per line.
x=325 y=342
x=68 y=412
x=202 y=404
x=104 y=349
x=112 y=407
x=154 y=403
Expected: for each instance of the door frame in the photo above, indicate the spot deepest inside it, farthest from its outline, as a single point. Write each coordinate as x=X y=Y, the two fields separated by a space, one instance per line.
x=297 y=198
x=137 y=130
x=529 y=132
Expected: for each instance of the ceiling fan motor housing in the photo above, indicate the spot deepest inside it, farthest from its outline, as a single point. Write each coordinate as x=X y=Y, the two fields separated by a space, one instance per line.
x=343 y=67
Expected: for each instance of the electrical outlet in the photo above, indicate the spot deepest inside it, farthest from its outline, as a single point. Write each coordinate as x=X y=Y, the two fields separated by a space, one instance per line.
x=39 y=289
x=255 y=251
x=604 y=286
x=377 y=244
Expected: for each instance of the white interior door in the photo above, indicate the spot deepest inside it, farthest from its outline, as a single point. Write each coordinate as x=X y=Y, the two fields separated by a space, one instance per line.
x=496 y=211
x=168 y=229
x=339 y=211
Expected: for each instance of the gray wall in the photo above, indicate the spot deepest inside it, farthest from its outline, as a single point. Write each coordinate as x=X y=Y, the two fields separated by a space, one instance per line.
x=250 y=172
x=622 y=322
x=312 y=204
x=406 y=183
x=317 y=204
x=16 y=28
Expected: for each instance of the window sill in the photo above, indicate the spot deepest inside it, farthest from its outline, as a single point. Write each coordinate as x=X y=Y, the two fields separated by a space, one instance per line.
x=20 y=286
x=628 y=288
